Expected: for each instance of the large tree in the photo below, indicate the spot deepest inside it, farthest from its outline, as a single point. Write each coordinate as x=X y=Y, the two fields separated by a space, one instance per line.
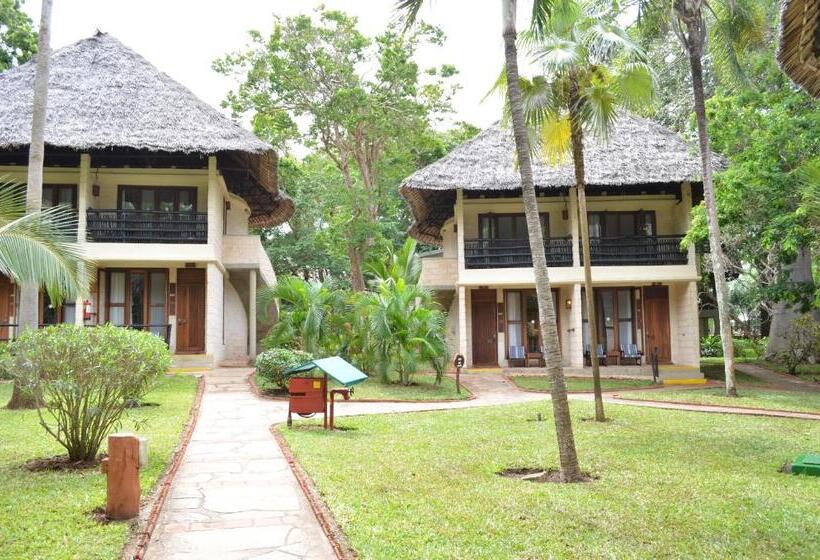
x=582 y=91
x=18 y=39
x=570 y=470
x=311 y=71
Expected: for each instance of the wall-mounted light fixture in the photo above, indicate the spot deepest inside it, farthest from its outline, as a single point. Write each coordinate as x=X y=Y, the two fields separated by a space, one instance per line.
x=568 y=303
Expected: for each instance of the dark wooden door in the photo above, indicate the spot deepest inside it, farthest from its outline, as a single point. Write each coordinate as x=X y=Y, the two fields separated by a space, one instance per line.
x=484 y=324
x=656 y=322
x=5 y=307
x=190 y=310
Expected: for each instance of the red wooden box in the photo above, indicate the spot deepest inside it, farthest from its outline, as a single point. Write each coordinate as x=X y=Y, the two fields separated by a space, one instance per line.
x=307 y=395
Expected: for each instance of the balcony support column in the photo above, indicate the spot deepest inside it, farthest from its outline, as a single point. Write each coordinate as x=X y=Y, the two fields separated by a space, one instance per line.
x=216 y=205
x=459 y=211
x=462 y=324
x=573 y=226
x=83 y=189
x=252 y=314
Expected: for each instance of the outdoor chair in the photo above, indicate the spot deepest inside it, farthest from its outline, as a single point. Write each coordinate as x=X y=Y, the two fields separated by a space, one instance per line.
x=518 y=355
x=600 y=353
x=631 y=353
x=538 y=357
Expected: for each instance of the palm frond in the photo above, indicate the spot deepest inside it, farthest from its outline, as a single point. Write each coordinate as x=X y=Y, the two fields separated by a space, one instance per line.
x=599 y=109
x=555 y=138
x=635 y=85
x=408 y=10
x=557 y=54
x=540 y=18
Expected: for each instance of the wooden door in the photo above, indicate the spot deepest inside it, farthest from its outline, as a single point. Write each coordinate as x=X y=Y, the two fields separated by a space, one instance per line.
x=656 y=322
x=190 y=311
x=484 y=325
x=5 y=307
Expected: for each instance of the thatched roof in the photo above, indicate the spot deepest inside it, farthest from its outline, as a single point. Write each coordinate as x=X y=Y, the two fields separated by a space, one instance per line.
x=799 y=52
x=639 y=152
x=103 y=96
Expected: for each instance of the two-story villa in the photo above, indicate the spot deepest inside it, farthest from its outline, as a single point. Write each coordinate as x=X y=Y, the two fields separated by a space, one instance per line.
x=165 y=189
x=641 y=187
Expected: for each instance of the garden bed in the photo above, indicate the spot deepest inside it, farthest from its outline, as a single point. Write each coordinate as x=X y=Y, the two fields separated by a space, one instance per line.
x=771 y=399
x=668 y=485
x=49 y=515
x=543 y=383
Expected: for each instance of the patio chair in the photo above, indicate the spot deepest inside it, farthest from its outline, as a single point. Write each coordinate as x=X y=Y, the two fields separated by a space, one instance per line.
x=631 y=353
x=538 y=357
x=601 y=353
x=518 y=354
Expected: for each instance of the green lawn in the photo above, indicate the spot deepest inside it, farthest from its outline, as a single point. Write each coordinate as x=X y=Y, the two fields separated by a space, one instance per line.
x=800 y=401
x=712 y=368
x=423 y=388
x=543 y=383
x=45 y=515
x=670 y=486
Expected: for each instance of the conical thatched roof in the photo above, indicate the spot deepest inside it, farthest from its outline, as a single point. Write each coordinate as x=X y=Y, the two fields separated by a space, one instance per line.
x=103 y=95
x=639 y=152
x=799 y=52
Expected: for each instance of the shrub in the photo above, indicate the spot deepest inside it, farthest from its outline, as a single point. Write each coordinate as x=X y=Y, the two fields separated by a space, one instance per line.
x=5 y=362
x=86 y=377
x=272 y=364
x=802 y=343
x=711 y=347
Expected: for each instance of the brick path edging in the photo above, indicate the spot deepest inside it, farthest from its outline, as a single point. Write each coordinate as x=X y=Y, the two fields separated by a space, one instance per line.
x=703 y=407
x=138 y=543
x=327 y=521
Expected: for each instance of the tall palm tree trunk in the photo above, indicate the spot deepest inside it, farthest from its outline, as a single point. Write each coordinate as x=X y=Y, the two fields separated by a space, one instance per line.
x=28 y=306
x=577 y=136
x=570 y=471
x=689 y=13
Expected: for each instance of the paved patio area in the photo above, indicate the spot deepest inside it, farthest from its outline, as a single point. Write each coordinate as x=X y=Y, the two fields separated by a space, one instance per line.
x=235 y=497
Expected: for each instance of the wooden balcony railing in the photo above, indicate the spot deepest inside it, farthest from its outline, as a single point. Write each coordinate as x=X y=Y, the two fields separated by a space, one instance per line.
x=143 y=226
x=648 y=250
x=514 y=253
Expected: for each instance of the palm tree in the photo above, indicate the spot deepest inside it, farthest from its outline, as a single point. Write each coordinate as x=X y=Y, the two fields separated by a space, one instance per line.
x=569 y=468
x=39 y=249
x=404 y=263
x=307 y=307
x=734 y=26
x=582 y=89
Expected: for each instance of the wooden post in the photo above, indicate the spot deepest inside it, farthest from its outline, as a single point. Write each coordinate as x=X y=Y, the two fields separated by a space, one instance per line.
x=122 y=471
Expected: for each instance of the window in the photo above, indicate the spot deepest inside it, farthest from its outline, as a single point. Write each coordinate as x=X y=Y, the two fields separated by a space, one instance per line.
x=508 y=226
x=523 y=325
x=615 y=308
x=138 y=298
x=55 y=314
x=158 y=199
x=57 y=195
x=622 y=224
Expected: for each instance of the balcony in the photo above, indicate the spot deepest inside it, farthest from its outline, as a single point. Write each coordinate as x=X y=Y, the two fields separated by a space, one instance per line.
x=144 y=226
x=514 y=253
x=620 y=251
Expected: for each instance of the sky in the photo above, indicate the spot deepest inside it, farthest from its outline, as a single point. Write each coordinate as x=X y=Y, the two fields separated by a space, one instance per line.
x=183 y=37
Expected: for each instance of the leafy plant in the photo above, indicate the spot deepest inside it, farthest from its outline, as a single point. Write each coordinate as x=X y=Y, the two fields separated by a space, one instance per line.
x=710 y=346
x=85 y=378
x=272 y=364
x=5 y=362
x=802 y=343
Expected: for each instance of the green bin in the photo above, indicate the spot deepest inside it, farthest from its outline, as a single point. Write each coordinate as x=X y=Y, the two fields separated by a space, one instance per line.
x=808 y=463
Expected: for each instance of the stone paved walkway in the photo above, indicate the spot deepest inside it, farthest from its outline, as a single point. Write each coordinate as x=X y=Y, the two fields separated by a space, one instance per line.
x=234 y=496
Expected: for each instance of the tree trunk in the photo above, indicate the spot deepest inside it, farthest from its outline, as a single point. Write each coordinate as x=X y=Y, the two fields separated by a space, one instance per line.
x=694 y=46
x=577 y=135
x=570 y=471
x=783 y=313
x=28 y=305
x=354 y=254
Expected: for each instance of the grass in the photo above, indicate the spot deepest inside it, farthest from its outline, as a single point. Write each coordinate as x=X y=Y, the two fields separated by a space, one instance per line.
x=712 y=368
x=44 y=515
x=800 y=401
x=544 y=383
x=670 y=486
x=422 y=388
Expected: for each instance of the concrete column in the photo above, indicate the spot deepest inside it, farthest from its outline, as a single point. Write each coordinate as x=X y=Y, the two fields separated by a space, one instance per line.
x=83 y=190
x=462 y=321
x=216 y=205
x=214 y=320
x=502 y=336
x=686 y=218
x=172 y=317
x=573 y=226
x=575 y=329
x=252 y=314
x=459 y=211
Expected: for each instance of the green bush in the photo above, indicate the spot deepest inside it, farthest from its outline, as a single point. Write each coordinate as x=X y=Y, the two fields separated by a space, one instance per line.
x=86 y=378
x=5 y=362
x=711 y=347
x=272 y=364
x=802 y=343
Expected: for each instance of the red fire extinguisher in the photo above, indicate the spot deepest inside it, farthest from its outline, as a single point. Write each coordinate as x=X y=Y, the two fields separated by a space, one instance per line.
x=87 y=310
